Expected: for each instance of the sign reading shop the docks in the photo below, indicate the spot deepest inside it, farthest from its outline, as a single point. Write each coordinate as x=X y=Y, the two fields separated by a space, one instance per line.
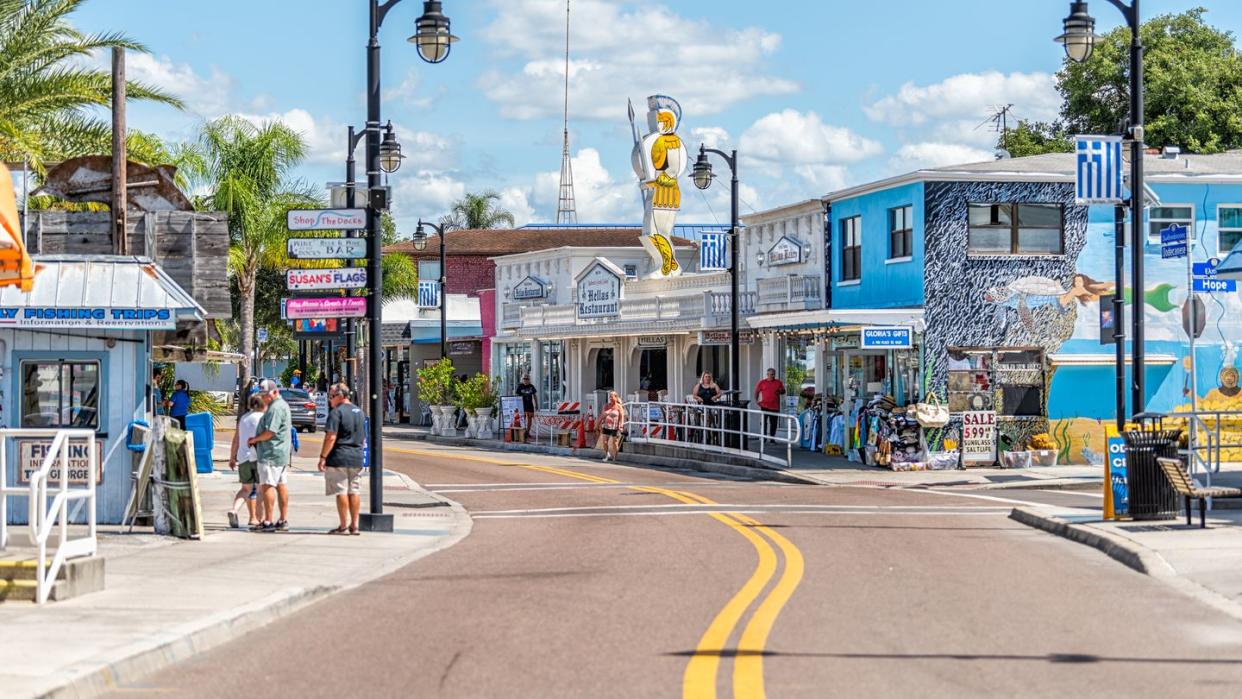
x=319 y=279
x=327 y=248
x=599 y=292
x=327 y=219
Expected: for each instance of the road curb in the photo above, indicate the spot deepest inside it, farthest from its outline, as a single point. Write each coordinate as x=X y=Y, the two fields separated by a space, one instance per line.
x=129 y=664
x=1129 y=553
x=1121 y=550
x=748 y=472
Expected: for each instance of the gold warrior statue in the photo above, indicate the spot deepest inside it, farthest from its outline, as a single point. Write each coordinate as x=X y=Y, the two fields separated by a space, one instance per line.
x=659 y=158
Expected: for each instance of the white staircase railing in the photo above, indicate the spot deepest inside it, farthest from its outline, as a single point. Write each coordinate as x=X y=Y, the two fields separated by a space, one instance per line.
x=44 y=517
x=720 y=429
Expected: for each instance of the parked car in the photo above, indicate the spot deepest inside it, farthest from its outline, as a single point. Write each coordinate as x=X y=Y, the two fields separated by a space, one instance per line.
x=301 y=408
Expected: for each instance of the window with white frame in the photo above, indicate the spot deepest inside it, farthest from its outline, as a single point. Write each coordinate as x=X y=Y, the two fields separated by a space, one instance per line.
x=851 y=249
x=61 y=394
x=429 y=269
x=900 y=232
x=1161 y=217
x=1229 y=224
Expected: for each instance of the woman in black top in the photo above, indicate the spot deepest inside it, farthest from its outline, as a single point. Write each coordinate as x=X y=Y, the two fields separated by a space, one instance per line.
x=707 y=392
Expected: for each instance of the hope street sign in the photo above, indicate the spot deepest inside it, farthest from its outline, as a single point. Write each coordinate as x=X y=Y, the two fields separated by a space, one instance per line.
x=327 y=219
x=1208 y=285
x=887 y=338
x=326 y=248
x=322 y=279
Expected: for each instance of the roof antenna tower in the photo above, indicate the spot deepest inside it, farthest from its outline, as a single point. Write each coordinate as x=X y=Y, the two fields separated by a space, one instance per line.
x=566 y=208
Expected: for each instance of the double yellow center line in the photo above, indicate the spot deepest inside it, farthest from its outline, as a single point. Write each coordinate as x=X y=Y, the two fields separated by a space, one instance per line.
x=699 y=680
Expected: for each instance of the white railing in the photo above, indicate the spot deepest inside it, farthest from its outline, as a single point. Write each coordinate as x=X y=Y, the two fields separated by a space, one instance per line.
x=793 y=289
x=719 y=429
x=682 y=283
x=43 y=516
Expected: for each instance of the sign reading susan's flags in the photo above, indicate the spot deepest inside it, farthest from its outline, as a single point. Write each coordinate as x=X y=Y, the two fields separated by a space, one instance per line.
x=1098 y=170
x=327 y=219
x=318 y=279
x=599 y=289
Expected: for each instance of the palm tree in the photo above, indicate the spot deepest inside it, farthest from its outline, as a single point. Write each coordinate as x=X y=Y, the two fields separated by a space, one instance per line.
x=47 y=90
x=475 y=211
x=246 y=168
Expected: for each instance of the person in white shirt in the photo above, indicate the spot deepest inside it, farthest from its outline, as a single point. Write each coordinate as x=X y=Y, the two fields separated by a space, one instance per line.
x=242 y=453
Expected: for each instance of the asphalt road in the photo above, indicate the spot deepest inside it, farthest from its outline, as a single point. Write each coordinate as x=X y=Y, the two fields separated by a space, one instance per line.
x=583 y=579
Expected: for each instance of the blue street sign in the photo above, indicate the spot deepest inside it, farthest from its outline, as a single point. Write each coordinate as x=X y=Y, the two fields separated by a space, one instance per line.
x=1203 y=269
x=1117 y=474
x=887 y=337
x=1173 y=235
x=1211 y=284
x=1172 y=251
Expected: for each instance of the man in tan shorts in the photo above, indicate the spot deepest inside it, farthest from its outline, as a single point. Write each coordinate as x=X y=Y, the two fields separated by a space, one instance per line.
x=341 y=458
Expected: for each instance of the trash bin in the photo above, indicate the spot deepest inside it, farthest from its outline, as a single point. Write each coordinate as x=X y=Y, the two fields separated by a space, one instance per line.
x=1151 y=495
x=201 y=425
x=734 y=421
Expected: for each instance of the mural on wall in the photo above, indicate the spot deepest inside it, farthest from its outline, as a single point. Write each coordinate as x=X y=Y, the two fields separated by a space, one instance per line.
x=659 y=158
x=1002 y=301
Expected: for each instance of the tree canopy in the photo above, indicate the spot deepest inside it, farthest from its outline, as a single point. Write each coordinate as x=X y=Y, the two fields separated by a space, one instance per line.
x=49 y=91
x=474 y=211
x=1192 y=90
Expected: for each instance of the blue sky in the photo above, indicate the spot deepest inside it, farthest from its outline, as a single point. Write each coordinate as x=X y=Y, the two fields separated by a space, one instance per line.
x=815 y=95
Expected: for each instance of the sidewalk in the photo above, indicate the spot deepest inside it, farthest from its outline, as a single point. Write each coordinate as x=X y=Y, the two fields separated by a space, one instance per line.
x=1203 y=563
x=167 y=599
x=810 y=468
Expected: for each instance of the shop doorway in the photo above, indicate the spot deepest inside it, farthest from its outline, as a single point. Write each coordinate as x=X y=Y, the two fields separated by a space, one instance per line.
x=866 y=373
x=603 y=369
x=714 y=359
x=653 y=372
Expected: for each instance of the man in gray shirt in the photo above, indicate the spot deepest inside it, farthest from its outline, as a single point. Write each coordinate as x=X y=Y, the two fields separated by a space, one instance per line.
x=272 y=446
x=341 y=457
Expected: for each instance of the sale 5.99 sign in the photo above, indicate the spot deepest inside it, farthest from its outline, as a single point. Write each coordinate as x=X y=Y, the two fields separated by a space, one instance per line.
x=979 y=437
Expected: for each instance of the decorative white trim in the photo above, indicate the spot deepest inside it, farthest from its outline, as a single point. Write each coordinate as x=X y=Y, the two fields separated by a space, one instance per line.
x=899 y=260
x=852 y=282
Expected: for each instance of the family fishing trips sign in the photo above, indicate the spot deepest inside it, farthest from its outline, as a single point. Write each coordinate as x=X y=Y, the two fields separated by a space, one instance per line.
x=88 y=317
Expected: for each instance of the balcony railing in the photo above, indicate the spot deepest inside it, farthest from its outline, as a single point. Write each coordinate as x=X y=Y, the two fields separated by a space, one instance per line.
x=706 y=310
x=799 y=291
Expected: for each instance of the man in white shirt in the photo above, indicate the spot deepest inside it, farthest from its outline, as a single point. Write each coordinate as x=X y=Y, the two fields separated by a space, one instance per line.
x=244 y=454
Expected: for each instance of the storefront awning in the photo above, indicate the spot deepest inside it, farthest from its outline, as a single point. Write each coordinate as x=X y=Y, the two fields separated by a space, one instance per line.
x=423 y=334
x=1105 y=359
x=98 y=292
x=840 y=317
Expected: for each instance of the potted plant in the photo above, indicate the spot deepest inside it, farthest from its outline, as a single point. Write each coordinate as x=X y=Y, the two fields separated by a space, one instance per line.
x=475 y=398
x=435 y=388
x=1013 y=454
x=1043 y=450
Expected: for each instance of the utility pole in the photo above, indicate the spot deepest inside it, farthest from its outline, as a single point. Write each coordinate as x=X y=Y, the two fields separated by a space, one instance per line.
x=120 y=242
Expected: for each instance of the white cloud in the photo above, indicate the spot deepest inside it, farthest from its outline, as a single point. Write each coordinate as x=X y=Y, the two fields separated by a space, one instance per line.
x=407 y=91
x=425 y=194
x=1033 y=96
x=325 y=139
x=208 y=96
x=710 y=136
x=914 y=156
x=598 y=198
x=516 y=200
x=616 y=50
x=793 y=138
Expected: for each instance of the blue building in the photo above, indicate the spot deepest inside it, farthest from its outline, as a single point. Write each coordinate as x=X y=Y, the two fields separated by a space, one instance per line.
x=1000 y=276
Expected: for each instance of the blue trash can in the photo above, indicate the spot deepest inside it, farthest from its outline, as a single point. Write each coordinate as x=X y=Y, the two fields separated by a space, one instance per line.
x=202 y=426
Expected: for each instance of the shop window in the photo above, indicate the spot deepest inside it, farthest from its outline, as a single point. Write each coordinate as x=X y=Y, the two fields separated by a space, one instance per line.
x=1016 y=229
x=1229 y=223
x=1161 y=217
x=631 y=272
x=851 y=249
x=653 y=370
x=428 y=269
x=900 y=232
x=60 y=394
x=1008 y=380
x=713 y=359
x=516 y=364
x=800 y=363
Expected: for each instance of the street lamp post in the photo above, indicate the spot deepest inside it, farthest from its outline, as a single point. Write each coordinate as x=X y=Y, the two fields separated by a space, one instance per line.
x=420 y=243
x=434 y=41
x=1079 y=41
x=703 y=176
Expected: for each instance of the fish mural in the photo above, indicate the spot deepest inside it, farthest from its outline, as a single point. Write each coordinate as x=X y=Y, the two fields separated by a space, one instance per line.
x=1027 y=293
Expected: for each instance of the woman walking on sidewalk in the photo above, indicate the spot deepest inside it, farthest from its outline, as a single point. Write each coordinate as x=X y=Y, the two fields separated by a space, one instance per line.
x=611 y=421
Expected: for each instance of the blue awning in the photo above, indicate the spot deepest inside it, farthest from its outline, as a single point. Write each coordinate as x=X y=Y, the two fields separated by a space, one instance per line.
x=423 y=335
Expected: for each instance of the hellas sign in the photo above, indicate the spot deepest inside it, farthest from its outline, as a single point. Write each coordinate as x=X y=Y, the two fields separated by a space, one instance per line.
x=32 y=452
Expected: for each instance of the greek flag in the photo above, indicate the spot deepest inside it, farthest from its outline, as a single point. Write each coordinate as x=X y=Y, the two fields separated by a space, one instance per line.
x=429 y=294
x=712 y=247
x=1098 y=170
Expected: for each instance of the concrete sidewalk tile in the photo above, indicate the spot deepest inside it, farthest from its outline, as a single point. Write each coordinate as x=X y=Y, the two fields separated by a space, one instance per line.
x=167 y=599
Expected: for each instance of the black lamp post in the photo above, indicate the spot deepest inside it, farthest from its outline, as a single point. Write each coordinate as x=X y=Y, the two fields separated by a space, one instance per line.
x=1079 y=41
x=434 y=41
x=702 y=176
x=420 y=244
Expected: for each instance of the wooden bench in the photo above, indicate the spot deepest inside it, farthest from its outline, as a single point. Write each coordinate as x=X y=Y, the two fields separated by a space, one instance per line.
x=1186 y=487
